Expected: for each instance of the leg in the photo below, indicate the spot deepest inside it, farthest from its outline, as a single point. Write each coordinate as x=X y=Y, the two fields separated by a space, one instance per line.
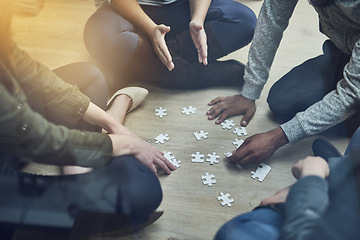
x=126 y=188
x=307 y=83
x=261 y=223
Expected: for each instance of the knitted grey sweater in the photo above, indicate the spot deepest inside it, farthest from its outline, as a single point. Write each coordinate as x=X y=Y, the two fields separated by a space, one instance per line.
x=340 y=21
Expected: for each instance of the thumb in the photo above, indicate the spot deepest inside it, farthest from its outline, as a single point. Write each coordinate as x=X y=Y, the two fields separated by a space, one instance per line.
x=164 y=28
x=246 y=118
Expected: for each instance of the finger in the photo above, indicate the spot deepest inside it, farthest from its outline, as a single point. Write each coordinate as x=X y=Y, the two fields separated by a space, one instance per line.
x=162 y=165
x=239 y=153
x=216 y=100
x=222 y=117
x=247 y=117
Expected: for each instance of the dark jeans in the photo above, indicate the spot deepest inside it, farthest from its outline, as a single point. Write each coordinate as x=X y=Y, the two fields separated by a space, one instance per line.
x=265 y=222
x=126 y=187
x=113 y=41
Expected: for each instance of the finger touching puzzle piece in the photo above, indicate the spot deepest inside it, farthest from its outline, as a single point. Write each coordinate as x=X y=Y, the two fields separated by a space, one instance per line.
x=238 y=142
x=261 y=172
x=172 y=159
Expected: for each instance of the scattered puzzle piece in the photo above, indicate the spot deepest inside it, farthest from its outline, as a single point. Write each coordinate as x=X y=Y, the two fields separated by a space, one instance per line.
x=212 y=158
x=161 y=138
x=197 y=157
x=160 y=112
x=172 y=159
x=240 y=131
x=228 y=154
x=200 y=135
x=188 y=110
x=208 y=179
x=226 y=200
x=228 y=124
x=238 y=142
x=261 y=172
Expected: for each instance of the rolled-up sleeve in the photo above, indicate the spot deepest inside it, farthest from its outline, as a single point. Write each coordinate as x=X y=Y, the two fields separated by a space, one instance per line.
x=46 y=90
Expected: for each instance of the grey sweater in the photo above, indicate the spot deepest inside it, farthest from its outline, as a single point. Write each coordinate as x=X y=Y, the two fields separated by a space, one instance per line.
x=340 y=21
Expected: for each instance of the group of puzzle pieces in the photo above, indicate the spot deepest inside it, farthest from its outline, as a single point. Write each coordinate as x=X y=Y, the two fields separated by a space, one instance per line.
x=209 y=179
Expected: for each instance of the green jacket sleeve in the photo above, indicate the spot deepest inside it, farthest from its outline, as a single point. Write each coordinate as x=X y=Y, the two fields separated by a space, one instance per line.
x=26 y=133
x=46 y=92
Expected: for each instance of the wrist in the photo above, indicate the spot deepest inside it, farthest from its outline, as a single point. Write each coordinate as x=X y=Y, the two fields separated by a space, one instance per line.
x=279 y=137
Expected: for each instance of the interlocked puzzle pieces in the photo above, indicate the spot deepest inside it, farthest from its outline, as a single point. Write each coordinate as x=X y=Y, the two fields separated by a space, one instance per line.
x=161 y=138
x=228 y=124
x=188 y=110
x=238 y=142
x=200 y=135
x=208 y=179
x=172 y=159
x=226 y=200
x=160 y=112
x=261 y=172
x=197 y=157
x=240 y=131
x=212 y=158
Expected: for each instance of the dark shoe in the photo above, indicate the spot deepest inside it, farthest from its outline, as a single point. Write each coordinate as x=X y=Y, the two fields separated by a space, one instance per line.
x=324 y=149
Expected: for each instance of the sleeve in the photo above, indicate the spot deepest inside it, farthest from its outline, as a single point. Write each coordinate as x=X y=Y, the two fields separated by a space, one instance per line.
x=272 y=21
x=42 y=85
x=307 y=200
x=334 y=108
x=25 y=133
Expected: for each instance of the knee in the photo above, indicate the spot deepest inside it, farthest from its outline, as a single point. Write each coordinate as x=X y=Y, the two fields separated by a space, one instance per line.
x=140 y=192
x=281 y=106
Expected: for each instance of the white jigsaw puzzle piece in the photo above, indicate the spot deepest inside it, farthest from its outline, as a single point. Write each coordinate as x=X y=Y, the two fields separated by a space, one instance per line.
x=225 y=198
x=261 y=172
x=240 y=131
x=200 y=135
x=160 y=112
x=188 y=110
x=172 y=159
x=238 y=142
x=209 y=179
x=228 y=124
x=197 y=158
x=228 y=154
x=212 y=158
x=161 y=138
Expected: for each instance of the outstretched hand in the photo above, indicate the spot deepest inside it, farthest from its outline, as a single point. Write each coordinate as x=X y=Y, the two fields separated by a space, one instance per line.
x=259 y=147
x=224 y=107
x=199 y=38
x=159 y=45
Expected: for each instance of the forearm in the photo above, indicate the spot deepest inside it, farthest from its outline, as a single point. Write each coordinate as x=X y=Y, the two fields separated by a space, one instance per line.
x=306 y=201
x=131 y=11
x=199 y=9
x=98 y=117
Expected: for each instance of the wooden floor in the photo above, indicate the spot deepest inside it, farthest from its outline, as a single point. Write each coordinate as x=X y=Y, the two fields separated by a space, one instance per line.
x=192 y=210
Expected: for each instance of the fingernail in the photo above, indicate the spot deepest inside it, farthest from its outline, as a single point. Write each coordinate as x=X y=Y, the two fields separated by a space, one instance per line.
x=244 y=123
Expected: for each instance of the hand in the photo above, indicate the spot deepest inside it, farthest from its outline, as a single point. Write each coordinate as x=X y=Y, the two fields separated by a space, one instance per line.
x=259 y=147
x=279 y=197
x=199 y=38
x=144 y=152
x=159 y=45
x=315 y=166
x=230 y=106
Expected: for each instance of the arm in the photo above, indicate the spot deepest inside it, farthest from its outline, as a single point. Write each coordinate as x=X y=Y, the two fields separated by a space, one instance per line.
x=307 y=199
x=198 y=11
x=334 y=108
x=272 y=21
x=132 y=12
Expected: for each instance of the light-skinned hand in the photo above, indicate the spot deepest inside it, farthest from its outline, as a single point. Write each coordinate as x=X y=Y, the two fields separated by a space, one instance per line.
x=311 y=166
x=159 y=45
x=199 y=38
